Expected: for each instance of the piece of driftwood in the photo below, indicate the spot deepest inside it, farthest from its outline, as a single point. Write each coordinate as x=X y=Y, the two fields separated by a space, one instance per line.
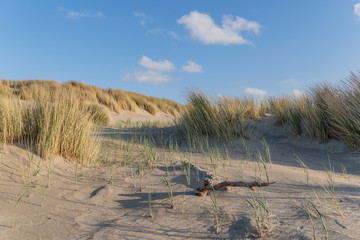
x=208 y=185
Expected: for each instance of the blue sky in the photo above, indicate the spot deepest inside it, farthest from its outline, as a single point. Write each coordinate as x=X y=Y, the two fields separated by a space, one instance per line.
x=161 y=48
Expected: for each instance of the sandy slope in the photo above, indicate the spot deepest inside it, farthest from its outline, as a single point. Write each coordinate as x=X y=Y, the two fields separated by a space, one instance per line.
x=139 y=116
x=109 y=204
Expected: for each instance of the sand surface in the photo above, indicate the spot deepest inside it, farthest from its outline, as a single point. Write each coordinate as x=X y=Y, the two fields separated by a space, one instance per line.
x=126 y=117
x=111 y=202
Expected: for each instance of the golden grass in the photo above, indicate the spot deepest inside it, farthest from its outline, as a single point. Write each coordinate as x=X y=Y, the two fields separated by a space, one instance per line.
x=325 y=112
x=221 y=118
x=63 y=127
x=115 y=99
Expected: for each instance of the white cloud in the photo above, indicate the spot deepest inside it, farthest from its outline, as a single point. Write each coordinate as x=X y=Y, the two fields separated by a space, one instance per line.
x=297 y=93
x=239 y=24
x=73 y=15
x=357 y=10
x=160 y=66
x=148 y=76
x=192 y=67
x=204 y=29
x=255 y=92
x=153 y=73
x=143 y=18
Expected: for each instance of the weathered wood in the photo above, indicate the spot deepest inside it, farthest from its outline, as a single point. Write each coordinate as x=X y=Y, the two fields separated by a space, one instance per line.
x=202 y=191
x=207 y=180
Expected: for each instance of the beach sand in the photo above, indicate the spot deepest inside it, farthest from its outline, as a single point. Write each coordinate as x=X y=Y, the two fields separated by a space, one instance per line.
x=107 y=202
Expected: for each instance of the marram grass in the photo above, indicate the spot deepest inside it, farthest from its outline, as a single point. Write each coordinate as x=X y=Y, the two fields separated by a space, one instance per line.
x=63 y=127
x=325 y=112
x=220 y=118
x=115 y=99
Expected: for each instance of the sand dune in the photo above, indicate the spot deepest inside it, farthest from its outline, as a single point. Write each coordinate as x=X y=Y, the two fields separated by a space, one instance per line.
x=108 y=203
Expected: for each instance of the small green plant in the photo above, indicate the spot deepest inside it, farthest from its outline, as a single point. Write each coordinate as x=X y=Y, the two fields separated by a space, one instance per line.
x=304 y=205
x=170 y=192
x=246 y=149
x=329 y=189
x=216 y=211
x=266 y=151
x=313 y=225
x=304 y=167
x=48 y=185
x=262 y=215
x=19 y=196
x=186 y=168
x=343 y=171
x=323 y=221
x=261 y=166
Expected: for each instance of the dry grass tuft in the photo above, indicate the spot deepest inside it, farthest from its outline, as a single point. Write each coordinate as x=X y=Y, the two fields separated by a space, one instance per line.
x=63 y=127
x=325 y=112
x=221 y=118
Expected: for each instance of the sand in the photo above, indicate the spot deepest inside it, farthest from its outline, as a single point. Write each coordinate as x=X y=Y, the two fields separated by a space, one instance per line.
x=108 y=203
x=126 y=117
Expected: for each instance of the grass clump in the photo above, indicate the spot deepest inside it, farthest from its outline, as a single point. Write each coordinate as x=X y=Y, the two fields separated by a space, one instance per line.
x=325 y=112
x=99 y=114
x=11 y=118
x=262 y=215
x=205 y=117
x=63 y=127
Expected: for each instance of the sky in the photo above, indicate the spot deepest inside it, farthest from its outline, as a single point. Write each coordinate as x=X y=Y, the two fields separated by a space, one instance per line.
x=161 y=48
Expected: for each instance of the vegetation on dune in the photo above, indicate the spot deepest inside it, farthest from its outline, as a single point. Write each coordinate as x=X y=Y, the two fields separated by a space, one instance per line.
x=99 y=114
x=63 y=127
x=222 y=118
x=325 y=112
x=117 y=100
x=58 y=118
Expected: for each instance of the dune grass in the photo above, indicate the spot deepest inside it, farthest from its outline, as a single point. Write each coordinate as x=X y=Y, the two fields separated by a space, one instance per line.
x=63 y=127
x=115 y=99
x=220 y=118
x=99 y=114
x=325 y=112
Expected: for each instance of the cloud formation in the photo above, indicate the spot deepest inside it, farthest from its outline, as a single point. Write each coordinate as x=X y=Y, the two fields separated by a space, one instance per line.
x=357 y=10
x=73 y=15
x=204 y=29
x=297 y=93
x=255 y=92
x=160 y=66
x=153 y=73
x=143 y=18
x=192 y=67
x=147 y=76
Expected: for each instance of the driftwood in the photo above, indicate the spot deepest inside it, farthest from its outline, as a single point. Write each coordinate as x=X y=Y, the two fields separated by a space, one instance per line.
x=208 y=185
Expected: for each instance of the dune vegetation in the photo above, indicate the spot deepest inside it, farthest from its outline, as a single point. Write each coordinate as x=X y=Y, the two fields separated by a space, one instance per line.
x=59 y=118
x=115 y=99
x=63 y=127
x=224 y=137
x=221 y=118
x=325 y=112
